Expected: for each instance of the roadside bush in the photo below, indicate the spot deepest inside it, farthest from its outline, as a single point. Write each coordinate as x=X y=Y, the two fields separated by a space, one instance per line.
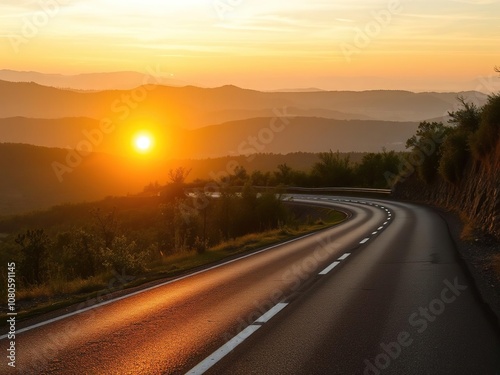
x=333 y=169
x=123 y=256
x=484 y=140
x=454 y=157
x=34 y=248
x=425 y=148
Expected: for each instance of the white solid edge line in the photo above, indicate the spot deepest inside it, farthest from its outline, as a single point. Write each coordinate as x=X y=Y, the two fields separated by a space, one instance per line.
x=225 y=349
x=77 y=312
x=272 y=312
x=364 y=241
x=344 y=256
x=329 y=268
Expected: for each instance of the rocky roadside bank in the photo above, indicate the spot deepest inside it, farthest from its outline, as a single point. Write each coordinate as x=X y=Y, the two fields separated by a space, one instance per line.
x=478 y=255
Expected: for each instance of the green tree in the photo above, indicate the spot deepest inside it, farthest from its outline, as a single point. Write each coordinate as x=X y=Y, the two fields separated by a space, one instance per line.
x=34 y=248
x=175 y=189
x=239 y=177
x=373 y=168
x=259 y=178
x=454 y=156
x=283 y=174
x=467 y=118
x=485 y=139
x=77 y=254
x=105 y=225
x=333 y=169
x=455 y=151
x=123 y=256
x=425 y=148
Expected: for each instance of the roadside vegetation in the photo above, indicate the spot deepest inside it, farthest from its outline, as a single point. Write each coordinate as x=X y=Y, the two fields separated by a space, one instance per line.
x=332 y=169
x=72 y=251
x=469 y=142
x=471 y=135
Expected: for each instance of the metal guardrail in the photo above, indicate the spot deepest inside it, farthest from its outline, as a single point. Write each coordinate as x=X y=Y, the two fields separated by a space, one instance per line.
x=339 y=190
x=297 y=189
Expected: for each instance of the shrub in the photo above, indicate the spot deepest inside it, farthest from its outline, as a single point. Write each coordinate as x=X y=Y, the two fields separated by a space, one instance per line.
x=123 y=256
x=454 y=157
x=484 y=140
x=425 y=148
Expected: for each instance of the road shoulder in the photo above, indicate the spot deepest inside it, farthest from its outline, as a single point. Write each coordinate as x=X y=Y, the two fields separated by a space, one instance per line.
x=477 y=255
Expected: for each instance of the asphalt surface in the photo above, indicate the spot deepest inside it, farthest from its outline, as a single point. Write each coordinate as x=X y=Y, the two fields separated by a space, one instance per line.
x=382 y=293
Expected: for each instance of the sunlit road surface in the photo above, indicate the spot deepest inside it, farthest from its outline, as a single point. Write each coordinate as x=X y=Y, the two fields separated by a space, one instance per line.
x=382 y=293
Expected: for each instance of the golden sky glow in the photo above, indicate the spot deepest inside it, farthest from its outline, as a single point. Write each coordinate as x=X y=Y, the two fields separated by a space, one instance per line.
x=356 y=44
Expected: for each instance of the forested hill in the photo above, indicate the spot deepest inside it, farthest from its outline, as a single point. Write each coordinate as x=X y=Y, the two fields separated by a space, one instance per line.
x=242 y=137
x=29 y=181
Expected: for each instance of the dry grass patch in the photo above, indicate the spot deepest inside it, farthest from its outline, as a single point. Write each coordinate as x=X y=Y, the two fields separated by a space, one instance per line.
x=62 y=287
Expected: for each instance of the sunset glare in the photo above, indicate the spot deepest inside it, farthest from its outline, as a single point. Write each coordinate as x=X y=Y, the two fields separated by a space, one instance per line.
x=143 y=143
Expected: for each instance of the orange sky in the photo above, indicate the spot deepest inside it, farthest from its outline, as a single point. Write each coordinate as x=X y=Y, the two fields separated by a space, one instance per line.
x=358 y=44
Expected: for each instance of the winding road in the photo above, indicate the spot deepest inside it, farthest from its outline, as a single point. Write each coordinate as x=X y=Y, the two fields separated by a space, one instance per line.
x=382 y=293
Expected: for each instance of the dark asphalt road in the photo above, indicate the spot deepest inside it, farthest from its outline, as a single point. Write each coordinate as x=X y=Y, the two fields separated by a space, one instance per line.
x=362 y=297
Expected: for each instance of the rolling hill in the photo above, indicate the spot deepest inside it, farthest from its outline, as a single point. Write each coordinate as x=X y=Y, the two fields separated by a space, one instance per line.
x=243 y=137
x=30 y=182
x=193 y=107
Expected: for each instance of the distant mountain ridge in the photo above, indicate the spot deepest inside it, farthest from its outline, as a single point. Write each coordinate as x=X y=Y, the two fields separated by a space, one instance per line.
x=87 y=82
x=193 y=107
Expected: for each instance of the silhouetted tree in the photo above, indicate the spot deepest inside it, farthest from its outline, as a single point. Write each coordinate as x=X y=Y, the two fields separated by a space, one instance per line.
x=34 y=247
x=333 y=169
x=485 y=139
x=425 y=147
x=175 y=189
x=467 y=118
x=178 y=175
x=106 y=225
x=283 y=174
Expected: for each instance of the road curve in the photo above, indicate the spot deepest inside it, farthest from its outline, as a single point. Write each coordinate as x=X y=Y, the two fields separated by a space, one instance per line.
x=402 y=304
x=320 y=304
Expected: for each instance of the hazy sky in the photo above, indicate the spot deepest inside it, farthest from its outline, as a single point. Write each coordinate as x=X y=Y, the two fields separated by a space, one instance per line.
x=264 y=44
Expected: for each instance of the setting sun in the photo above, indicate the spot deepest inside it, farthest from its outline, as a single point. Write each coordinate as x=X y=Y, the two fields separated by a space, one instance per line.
x=143 y=142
